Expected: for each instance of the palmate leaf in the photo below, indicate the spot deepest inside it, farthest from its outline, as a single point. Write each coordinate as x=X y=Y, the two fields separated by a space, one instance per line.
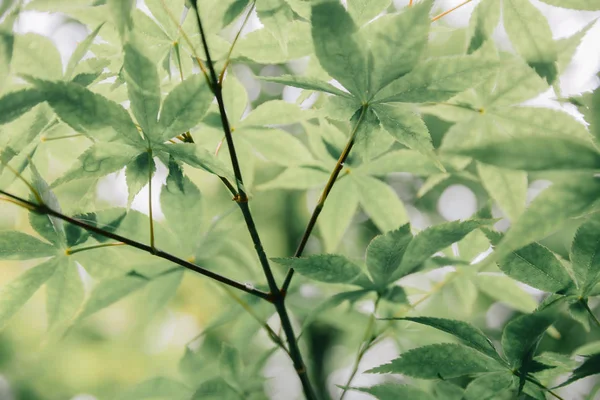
x=328 y=268
x=531 y=36
x=390 y=391
x=276 y=15
x=399 y=160
x=80 y=51
x=385 y=252
x=338 y=48
x=497 y=385
x=537 y=266
x=467 y=333
x=300 y=179
x=36 y=55
x=483 y=22
x=380 y=202
x=591 y=366
x=51 y=228
x=182 y=207
x=440 y=361
x=362 y=11
x=588 y=5
x=275 y=112
x=308 y=83
x=197 y=157
x=120 y=12
x=277 y=146
x=20 y=246
x=15 y=294
x=504 y=289
x=137 y=174
x=585 y=255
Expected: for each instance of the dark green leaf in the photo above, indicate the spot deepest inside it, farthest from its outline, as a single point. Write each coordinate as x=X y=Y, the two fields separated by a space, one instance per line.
x=138 y=173
x=329 y=268
x=15 y=104
x=585 y=255
x=385 y=253
x=591 y=366
x=64 y=292
x=494 y=386
x=483 y=22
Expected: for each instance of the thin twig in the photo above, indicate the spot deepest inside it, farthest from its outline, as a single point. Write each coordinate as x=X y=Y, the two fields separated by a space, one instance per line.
x=450 y=10
x=48 y=139
x=150 y=216
x=319 y=207
x=237 y=36
x=43 y=209
x=97 y=246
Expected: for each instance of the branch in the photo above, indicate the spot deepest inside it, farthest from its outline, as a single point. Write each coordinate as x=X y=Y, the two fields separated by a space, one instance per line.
x=43 y=209
x=320 y=204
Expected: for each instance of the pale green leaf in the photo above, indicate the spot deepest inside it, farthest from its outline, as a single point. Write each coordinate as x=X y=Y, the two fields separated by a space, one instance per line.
x=143 y=88
x=340 y=108
x=182 y=207
x=585 y=255
x=483 y=22
x=157 y=388
x=64 y=292
x=198 y=157
x=278 y=146
x=89 y=113
x=399 y=161
x=158 y=292
x=184 y=107
x=308 y=83
x=276 y=15
x=235 y=98
x=328 y=268
x=515 y=83
x=508 y=188
x=591 y=366
x=15 y=294
x=470 y=335
x=120 y=12
x=522 y=335
x=438 y=79
x=385 y=252
x=108 y=292
x=390 y=391
x=137 y=174
x=535 y=153
x=363 y=11
x=80 y=51
x=380 y=202
x=587 y=5
x=505 y=290
x=371 y=139
x=494 y=386
x=567 y=47
x=537 y=266
x=37 y=56
x=440 y=361
x=7 y=41
x=338 y=48
x=393 y=34
x=163 y=10
x=433 y=239
x=20 y=246
x=99 y=160
x=547 y=212
x=296 y=178
x=275 y=112
x=338 y=211
x=15 y=104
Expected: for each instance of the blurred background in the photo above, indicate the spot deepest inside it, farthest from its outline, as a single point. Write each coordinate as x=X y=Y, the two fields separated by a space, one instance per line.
x=126 y=343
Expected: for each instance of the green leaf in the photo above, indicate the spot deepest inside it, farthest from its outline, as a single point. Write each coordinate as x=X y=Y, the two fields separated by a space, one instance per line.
x=522 y=335
x=505 y=290
x=278 y=146
x=535 y=153
x=337 y=47
x=158 y=292
x=530 y=35
x=120 y=12
x=137 y=174
x=585 y=255
x=440 y=361
x=337 y=214
x=433 y=239
x=80 y=51
x=385 y=252
x=20 y=246
x=438 y=80
x=470 y=335
x=110 y=291
x=275 y=112
x=15 y=104
x=215 y=389
x=328 y=268
x=390 y=391
x=7 y=41
x=49 y=227
x=297 y=178
x=363 y=11
x=380 y=202
x=99 y=160
x=591 y=366
x=64 y=292
x=143 y=88
x=183 y=108
x=497 y=385
x=276 y=15
x=305 y=82
x=182 y=207
x=405 y=33
x=483 y=22
x=547 y=212
x=157 y=388
x=15 y=294
x=198 y=157
x=36 y=55
x=537 y=266
x=89 y=113
x=371 y=139
x=506 y=187
x=399 y=161
x=406 y=127
x=587 y=5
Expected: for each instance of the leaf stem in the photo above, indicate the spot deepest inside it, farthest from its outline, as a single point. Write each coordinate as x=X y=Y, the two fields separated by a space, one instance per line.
x=321 y=203
x=237 y=36
x=150 y=215
x=450 y=10
x=242 y=200
x=48 y=139
x=44 y=209
x=538 y=384
x=97 y=246
x=367 y=342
